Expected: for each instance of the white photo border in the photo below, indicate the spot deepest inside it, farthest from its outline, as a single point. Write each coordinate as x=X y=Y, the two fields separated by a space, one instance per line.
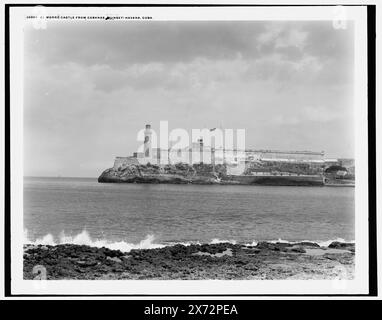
x=360 y=285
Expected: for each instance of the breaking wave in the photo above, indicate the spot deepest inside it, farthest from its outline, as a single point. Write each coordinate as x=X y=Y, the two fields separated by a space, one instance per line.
x=84 y=238
x=216 y=241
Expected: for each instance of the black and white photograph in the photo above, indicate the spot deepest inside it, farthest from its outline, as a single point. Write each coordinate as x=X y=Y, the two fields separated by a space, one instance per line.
x=200 y=150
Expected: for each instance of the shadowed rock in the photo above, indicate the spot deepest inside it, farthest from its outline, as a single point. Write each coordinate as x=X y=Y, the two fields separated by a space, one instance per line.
x=341 y=245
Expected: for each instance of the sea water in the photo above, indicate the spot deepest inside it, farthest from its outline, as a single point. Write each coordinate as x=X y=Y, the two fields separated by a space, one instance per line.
x=126 y=216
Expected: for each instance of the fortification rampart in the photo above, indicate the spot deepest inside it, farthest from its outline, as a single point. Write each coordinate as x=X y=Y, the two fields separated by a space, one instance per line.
x=120 y=162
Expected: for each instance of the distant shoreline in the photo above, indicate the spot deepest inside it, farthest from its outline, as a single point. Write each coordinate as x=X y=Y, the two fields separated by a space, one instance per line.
x=57 y=177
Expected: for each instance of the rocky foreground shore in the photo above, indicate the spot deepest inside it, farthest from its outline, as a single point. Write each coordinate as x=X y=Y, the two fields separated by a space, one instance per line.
x=222 y=261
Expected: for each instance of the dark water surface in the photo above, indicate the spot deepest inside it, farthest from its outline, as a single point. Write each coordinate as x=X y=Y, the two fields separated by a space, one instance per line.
x=127 y=213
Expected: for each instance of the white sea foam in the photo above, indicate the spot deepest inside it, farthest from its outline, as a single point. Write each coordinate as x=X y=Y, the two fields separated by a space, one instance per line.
x=184 y=243
x=252 y=244
x=280 y=241
x=326 y=243
x=216 y=241
x=84 y=238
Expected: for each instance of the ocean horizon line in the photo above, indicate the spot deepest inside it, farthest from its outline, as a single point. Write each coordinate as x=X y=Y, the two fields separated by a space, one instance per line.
x=61 y=177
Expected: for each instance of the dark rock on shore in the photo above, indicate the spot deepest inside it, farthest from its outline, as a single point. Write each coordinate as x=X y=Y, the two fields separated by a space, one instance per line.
x=342 y=245
x=206 y=261
x=308 y=244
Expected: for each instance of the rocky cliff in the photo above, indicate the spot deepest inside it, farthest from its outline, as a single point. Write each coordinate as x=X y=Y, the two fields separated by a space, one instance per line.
x=182 y=173
x=179 y=174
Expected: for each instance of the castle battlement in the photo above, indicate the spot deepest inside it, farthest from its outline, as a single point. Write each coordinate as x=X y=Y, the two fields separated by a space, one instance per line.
x=198 y=152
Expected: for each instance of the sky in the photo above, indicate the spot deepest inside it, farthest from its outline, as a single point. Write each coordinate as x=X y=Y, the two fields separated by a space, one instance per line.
x=89 y=87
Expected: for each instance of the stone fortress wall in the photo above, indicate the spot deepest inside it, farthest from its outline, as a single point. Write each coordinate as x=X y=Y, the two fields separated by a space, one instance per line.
x=249 y=161
x=124 y=161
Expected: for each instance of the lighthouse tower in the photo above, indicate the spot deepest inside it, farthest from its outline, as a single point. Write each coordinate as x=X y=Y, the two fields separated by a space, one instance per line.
x=147 y=142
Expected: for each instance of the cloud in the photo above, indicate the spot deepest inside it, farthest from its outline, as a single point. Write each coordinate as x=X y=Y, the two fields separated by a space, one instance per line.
x=309 y=114
x=124 y=43
x=120 y=53
x=89 y=87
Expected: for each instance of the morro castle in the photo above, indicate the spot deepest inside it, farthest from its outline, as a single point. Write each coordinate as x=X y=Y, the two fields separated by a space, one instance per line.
x=236 y=161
